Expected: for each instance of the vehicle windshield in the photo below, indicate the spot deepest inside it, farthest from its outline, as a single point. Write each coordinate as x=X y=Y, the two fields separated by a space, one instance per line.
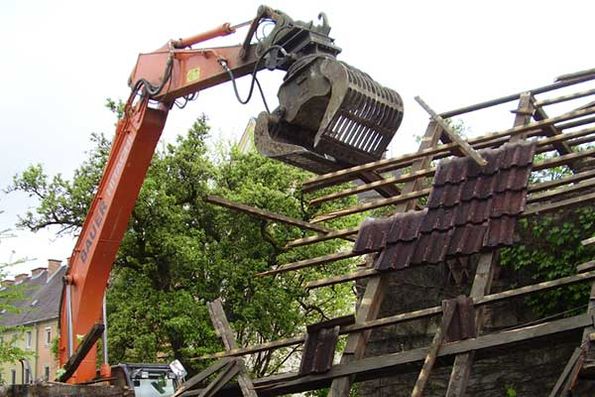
x=158 y=386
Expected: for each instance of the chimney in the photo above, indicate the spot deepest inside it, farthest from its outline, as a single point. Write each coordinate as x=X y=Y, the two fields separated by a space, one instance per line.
x=19 y=278
x=37 y=271
x=53 y=266
x=7 y=283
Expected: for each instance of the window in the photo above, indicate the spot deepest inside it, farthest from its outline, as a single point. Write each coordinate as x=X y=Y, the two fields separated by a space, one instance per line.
x=28 y=339
x=13 y=376
x=46 y=373
x=27 y=375
x=48 y=336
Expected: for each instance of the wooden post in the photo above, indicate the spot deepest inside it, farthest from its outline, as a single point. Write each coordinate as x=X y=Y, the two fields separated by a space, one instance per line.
x=448 y=311
x=461 y=369
x=225 y=332
x=563 y=383
x=452 y=135
x=375 y=288
x=200 y=377
x=575 y=363
x=482 y=283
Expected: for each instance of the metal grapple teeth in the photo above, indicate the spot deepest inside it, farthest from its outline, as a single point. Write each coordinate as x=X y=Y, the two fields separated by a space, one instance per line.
x=336 y=111
x=361 y=118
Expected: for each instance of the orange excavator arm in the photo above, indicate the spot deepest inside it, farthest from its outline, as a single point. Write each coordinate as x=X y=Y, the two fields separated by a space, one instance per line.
x=171 y=72
x=330 y=116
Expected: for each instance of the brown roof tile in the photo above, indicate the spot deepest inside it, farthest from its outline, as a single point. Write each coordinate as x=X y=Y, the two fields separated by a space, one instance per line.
x=470 y=208
x=466 y=239
x=405 y=226
x=500 y=232
x=319 y=350
x=372 y=235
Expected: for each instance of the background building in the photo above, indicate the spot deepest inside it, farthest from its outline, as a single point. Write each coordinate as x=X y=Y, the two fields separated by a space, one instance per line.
x=38 y=315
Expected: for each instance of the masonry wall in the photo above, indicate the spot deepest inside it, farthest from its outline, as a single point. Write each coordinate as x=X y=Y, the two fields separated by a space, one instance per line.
x=528 y=372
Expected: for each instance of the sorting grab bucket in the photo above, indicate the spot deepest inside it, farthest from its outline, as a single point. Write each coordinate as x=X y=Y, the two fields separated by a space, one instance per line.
x=333 y=110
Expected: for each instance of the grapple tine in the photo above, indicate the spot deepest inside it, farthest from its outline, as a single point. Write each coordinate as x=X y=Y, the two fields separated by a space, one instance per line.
x=364 y=103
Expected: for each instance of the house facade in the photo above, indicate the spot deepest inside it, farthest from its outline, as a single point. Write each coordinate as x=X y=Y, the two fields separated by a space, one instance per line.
x=37 y=319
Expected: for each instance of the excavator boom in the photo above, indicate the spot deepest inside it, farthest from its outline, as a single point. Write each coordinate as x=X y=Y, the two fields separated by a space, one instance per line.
x=331 y=116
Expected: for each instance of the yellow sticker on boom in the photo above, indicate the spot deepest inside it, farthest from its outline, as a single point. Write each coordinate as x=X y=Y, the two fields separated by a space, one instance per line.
x=193 y=75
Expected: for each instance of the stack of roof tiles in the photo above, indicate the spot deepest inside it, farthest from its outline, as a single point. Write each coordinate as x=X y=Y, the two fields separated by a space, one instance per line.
x=470 y=209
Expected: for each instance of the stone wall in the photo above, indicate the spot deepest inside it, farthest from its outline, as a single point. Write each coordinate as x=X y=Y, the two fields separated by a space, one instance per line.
x=530 y=372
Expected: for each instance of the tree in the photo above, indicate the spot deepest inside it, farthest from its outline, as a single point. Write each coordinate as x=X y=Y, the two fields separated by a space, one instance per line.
x=180 y=252
x=9 y=351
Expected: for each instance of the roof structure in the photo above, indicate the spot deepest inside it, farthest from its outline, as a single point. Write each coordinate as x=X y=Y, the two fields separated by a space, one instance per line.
x=41 y=299
x=470 y=209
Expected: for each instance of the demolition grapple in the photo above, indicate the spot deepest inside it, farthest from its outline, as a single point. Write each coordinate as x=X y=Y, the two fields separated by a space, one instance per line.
x=330 y=115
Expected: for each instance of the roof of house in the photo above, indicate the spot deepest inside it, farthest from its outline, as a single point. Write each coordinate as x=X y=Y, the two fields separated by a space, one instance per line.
x=470 y=209
x=41 y=299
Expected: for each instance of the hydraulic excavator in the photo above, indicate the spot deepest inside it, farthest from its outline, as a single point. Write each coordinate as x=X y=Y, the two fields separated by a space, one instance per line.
x=330 y=116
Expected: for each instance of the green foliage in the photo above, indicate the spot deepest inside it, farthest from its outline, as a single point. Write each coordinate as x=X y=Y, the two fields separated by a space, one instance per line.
x=510 y=391
x=551 y=248
x=62 y=202
x=180 y=252
x=116 y=107
x=9 y=352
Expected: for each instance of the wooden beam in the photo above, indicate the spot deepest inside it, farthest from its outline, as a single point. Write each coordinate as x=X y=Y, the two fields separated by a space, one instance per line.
x=327 y=179
x=417 y=314
x=562 y=147
x=452 y=135
x=81 y=352
x=542 y=144
x=588 y=241
x=321 y=260
x=401 y=362
x=544 y=164
x=538 y=209
x=563 y=379
x=448 y=310
x=264 y=214
x=513 y=97
x=227 y=373
x=564 y=98
x=548 y=195
x=202 y=376
x=369 y=186
x=384 y=189
x=576 y=76
x=322 y=237
x=532 y=189
x=585 y=267
x=341 y=279
x=537 y=187
x=372 y=205
x=372 y=298
x=482 y=283
x=225 y=332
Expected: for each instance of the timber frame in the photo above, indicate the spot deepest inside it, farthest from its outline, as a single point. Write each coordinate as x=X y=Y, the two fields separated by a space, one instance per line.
x=564 y=137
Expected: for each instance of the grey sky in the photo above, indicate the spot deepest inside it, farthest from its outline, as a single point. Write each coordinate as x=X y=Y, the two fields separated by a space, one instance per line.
x=62 y=59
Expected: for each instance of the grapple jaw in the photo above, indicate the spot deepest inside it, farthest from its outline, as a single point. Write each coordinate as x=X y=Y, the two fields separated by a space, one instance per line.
x=269 y=143
x=330 y=116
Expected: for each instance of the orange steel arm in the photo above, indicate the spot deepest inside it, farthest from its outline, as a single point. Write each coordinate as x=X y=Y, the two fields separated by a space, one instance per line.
x=177 y=72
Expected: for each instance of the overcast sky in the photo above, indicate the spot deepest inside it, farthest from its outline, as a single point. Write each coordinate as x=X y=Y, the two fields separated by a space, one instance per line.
x=62 y=59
